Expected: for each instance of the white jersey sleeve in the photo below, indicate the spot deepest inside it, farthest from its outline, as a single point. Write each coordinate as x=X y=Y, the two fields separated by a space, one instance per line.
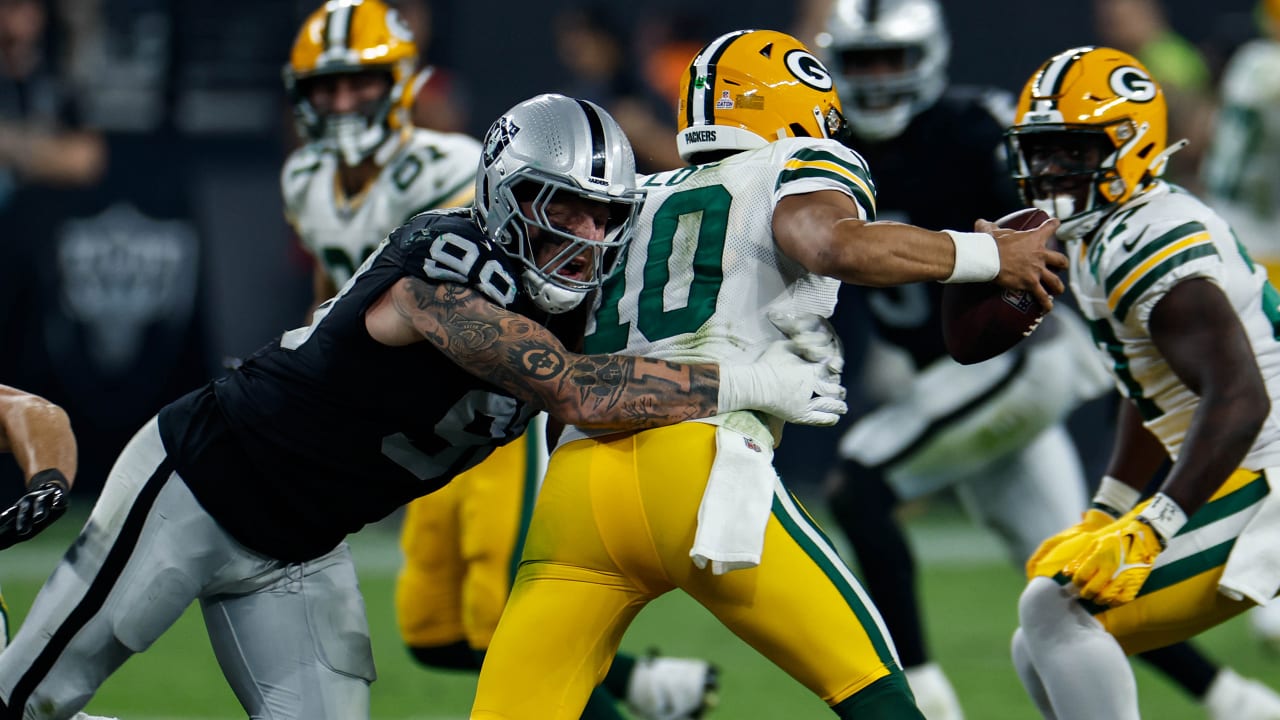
x=813 y=165
x=1145 y=254
x=1136 y=257
x=430 y=170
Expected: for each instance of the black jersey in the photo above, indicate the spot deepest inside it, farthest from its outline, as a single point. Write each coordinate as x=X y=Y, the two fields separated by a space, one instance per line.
x=327 y=430
x=944 y=171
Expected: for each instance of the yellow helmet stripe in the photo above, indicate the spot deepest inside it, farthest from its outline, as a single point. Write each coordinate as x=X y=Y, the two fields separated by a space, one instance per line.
x=700 y=104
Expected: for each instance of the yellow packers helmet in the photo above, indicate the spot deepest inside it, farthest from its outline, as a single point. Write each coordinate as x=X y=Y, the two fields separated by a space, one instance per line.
x=750 y=87
x=1089 y=133
x=347 y=37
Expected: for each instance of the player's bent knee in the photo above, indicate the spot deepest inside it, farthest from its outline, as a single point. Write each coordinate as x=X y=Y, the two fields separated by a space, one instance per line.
x=1041 y=604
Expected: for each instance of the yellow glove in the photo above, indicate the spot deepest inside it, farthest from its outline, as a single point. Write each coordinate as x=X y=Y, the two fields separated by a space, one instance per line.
x=1094 y=519
x=1113 y=568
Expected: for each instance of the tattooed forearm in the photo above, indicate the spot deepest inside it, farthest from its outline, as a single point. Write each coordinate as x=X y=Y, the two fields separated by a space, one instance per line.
x=630 y=393
x=511 y=351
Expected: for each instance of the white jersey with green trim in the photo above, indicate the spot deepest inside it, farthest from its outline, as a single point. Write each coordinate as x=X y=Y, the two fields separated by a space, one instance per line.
x=1142 y=250
x=704 y=269
x=429 y=170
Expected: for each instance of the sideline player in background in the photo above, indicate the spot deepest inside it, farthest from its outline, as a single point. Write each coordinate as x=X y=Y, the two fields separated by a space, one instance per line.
x=1188 y=325
x=771 y=215
x=993 y=431
x=239 y=494
x=364 y=171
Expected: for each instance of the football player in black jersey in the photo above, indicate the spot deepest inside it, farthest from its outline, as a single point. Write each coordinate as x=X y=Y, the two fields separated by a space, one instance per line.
x=443 y=345
x=994 y=431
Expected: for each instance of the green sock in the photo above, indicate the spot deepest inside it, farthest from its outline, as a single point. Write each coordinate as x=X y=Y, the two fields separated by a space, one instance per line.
x=888 y=698
x=618 y=679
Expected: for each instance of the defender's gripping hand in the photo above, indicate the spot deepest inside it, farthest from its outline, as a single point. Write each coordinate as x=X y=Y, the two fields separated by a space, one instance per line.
x=45 y=502
x=783 y=383
x=1094 y=519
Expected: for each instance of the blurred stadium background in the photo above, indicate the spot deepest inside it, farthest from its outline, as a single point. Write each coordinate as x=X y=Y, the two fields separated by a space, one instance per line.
x=127 y=282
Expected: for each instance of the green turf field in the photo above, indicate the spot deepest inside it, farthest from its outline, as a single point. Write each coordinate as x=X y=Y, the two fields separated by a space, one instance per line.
x=970 y=597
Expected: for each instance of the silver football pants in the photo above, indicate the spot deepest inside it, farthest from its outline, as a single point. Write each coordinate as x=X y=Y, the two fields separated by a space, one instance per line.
x=292 y=639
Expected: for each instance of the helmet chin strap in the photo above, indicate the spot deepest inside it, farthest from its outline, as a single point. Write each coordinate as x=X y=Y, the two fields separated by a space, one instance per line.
x=549 y=297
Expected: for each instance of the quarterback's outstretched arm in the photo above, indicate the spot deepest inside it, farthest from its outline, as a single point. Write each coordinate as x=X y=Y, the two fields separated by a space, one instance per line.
x=612 y=392
x=822 y=232
x=37 y=432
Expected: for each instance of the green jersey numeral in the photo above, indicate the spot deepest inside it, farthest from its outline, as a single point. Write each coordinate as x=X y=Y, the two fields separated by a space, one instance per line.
x=652 y=319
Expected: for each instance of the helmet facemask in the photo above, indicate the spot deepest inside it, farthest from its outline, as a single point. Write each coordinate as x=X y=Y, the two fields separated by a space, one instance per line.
x=555 y=157
x=356 y=134
x=521 y=223
x=1068 y=172
x=889 y=59
x=883 y=87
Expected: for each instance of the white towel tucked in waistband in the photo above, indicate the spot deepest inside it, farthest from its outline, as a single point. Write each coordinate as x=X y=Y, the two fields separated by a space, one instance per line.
x=735 y=505
x=1253 y=568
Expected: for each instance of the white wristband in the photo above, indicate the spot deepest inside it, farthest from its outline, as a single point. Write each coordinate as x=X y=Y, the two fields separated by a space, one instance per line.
x=977 y=257
x=1114 y=497
x=1165 y=515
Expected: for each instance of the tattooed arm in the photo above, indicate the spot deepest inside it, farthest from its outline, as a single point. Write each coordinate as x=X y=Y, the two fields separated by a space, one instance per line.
x=614 y=392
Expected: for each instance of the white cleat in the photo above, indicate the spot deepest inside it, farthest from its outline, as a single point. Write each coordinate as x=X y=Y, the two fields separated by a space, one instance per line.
x=934 y=695
x=664 y=688
x=1231 y=697
x=83 y=716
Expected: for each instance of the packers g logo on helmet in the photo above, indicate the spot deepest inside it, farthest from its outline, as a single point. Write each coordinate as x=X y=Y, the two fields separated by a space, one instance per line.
x=1133 y=83
x=1099 y=93
x=808 y=70
x=747 y=88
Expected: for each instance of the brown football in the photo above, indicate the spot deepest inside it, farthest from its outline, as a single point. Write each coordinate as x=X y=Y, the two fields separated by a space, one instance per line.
x=982 y=320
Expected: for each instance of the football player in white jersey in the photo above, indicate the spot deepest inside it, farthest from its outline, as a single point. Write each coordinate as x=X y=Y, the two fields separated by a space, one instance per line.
x=364 y=171
x=993 y=432
x=757 y=232
x=1188 y=325
x=365 y=168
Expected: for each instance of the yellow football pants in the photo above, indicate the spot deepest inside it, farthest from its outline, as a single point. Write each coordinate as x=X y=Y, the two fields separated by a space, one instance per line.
x=1180 y=598
x=612 y=530
x=459 y=545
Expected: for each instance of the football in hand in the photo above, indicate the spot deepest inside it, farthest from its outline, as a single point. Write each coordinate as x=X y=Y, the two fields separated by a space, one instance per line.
x=982 y=320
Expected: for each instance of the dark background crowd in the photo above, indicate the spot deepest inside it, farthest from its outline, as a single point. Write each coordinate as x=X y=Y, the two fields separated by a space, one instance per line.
x=142 y=243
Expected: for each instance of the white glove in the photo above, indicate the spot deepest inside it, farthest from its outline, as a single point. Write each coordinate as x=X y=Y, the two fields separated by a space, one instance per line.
x=815 y=338
x=797 y=379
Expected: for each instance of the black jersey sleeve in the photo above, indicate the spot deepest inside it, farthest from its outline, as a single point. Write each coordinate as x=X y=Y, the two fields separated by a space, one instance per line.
x=444 y=247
